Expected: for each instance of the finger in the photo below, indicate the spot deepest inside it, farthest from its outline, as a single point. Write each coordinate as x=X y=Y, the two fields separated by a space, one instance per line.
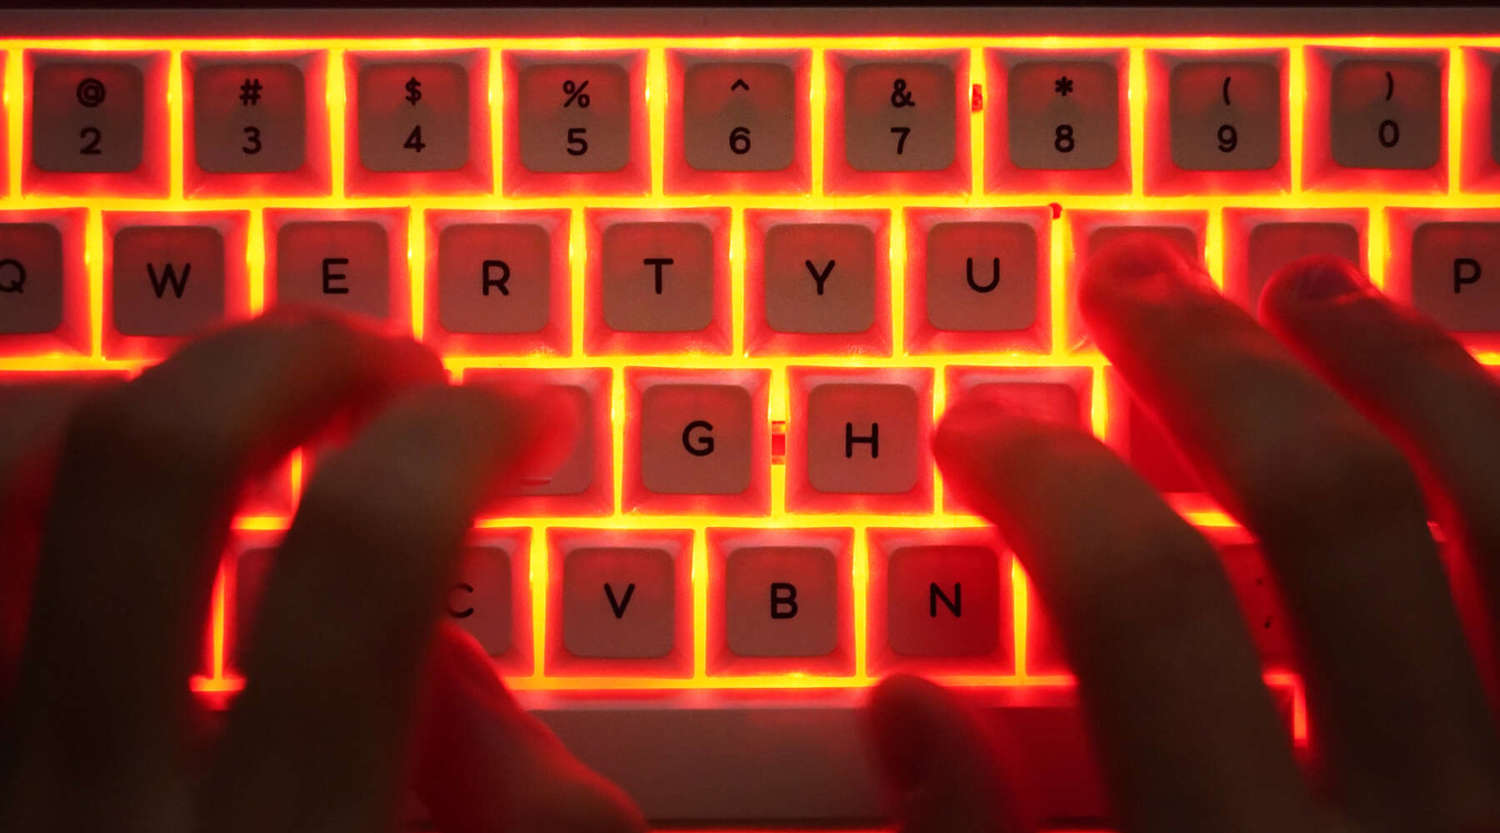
x=146 y=483
x=1417 y=383
x=348 y=611
x=940 y=764
x=1166 y=672
x=482 y=765
x=34 y=415
x=1341 y=519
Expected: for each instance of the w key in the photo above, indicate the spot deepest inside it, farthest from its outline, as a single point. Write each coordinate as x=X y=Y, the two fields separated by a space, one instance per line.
x=167 y=280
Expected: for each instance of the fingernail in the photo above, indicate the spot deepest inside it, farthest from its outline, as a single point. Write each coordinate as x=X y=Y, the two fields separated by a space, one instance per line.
x=1325 y=278
x=1136 y=256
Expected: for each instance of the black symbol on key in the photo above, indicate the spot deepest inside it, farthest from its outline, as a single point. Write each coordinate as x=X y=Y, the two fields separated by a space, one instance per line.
x=899 y=96
x=16 y=284
x=1062 y=86
x=90 y=92
x=739 y=84
x=575 y=94
x=1226 y=91
x=413 y=91
x=250 y=92
x=1390 y=85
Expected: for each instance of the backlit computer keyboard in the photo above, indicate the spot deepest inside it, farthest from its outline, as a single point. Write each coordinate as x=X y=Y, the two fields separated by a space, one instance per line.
x=759 y=250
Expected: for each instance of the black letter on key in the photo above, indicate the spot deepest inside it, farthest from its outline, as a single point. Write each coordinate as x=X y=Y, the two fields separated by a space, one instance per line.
x=330 y=277
x=485 y=281
x=705 y=442
x=1465 y=270
x=955 y=605
x=18 y=283
x=783 y=600
x=619 y=605
x=989 y=287
x=658 y=262
x=873 y=439
x=466 y=612
x=820 y=277
x=168 y=277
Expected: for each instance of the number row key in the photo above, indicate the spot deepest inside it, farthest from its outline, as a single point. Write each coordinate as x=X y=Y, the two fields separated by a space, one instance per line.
x=895 y=120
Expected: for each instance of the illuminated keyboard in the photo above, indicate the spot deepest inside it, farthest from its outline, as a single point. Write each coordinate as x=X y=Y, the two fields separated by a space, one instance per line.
x=759 y=251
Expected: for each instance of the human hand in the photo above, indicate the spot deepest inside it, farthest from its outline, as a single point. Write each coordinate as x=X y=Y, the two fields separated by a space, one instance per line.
x=129 y=506
x=1308 y=432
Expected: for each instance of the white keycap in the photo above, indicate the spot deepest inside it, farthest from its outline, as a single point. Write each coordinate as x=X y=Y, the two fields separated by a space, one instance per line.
x=343 y=264
x=657 y=277
x=167 y=280
x=31 y=278
x=819 y=277
x=576 y=472
x=413 y=116
x=1225 y=115
x=943 y=601
x=738 y=115
x=480 y=599
x=862 y=438
x=249 y=117
x=619 y=602
x=782 y=601
x=697 y=438
x=1455 y=274
x=1385 y=113
x=899 y=116
x=1053 y=394
x=575 y=116
x=495 y=278
x=1064 y=114
x=1274 y=245
x=87 y=116
x=1179 y=237
x=981 y=277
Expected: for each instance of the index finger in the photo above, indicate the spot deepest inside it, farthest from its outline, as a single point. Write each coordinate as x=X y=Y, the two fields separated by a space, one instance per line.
x=146 y=485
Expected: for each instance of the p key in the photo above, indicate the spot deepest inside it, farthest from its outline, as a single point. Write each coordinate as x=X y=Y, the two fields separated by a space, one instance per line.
x=1454 y=274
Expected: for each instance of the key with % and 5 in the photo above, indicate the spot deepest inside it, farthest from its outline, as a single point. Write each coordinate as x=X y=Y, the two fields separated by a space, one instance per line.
x=575 y=92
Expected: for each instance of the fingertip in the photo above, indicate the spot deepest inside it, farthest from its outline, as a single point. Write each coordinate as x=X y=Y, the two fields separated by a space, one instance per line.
x=901 y=713
x=1308 y=283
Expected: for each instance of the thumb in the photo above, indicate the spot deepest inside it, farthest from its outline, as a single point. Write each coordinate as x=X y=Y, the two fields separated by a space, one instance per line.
x=485 y=766
x=941 y=765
